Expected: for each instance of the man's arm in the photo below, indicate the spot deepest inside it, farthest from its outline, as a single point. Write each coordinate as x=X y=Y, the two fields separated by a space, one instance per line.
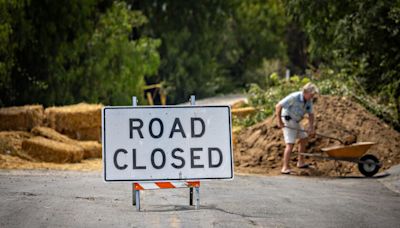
x=278 y=111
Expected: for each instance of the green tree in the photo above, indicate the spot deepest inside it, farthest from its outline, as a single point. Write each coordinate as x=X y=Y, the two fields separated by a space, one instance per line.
x=111 y=67
x=192 y=35
x=258 y=31
x=357 y=38
x=9 y=11
x=38 y=30
x=212 y=46
x=59 y=52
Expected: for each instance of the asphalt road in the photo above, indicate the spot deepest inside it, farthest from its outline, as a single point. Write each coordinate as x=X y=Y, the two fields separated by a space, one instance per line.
x=79 y=199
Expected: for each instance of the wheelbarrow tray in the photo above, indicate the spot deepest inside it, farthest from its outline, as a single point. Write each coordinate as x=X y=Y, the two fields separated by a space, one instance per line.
x=368 y=164
x=353 y=151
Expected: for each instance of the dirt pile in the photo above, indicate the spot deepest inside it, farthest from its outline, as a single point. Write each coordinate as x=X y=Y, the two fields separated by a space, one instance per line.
x=259 y=149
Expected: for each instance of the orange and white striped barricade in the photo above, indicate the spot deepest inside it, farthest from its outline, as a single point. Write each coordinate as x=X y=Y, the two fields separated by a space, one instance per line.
x=137 y=187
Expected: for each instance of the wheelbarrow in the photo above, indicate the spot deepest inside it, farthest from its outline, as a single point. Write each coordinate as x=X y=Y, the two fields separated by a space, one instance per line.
x=368 y=164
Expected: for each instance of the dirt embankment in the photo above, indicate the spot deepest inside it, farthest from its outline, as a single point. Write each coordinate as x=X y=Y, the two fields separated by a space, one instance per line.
x=259 y=149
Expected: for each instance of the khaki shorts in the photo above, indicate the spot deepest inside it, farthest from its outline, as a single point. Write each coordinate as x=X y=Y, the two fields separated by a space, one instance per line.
x=291 y=135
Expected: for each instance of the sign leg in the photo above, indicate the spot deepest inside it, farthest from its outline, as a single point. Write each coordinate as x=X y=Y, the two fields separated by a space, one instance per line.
x=197 y=189
x=133 y=194
x=137 y=200
x=191 y=196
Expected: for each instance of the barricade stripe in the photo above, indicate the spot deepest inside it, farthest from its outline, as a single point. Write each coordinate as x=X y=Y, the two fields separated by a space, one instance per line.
x=149 y=185
x=193 y=183
x=158 y=185
x=138 y=187
x=180 y=184
x=165 y=184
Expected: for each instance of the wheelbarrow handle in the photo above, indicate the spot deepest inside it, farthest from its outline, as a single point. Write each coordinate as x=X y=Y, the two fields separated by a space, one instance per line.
x=325 y=136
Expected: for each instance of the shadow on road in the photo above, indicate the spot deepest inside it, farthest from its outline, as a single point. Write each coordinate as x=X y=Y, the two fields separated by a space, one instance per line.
x=378 y=176
x=169 y=208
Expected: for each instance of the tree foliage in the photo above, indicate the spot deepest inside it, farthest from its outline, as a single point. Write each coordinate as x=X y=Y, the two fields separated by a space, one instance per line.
x=58 y=52
x=357 y=38
x=193 y=37
x=212 y=46
x=110 y=61
x=258 y=34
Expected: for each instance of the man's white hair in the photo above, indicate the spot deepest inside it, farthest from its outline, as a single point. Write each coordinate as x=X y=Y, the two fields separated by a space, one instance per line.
x=310 y=88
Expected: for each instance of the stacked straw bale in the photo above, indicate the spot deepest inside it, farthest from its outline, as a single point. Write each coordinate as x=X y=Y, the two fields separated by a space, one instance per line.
x=86 y=134
x=81 y=121
x=47 y=150
x=11 y=141
x=92 y=149
x=22 y=118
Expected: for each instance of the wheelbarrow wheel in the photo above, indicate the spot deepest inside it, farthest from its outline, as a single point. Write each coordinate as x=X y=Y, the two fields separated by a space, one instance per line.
x=369 y=165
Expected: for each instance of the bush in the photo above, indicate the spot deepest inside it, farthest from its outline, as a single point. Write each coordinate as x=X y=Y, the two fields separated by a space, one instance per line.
x=265 y=100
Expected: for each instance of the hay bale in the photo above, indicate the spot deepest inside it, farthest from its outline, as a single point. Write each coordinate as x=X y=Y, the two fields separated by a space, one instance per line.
x=73 y=117
x=81 y=121
x=85 y=134
x=243 y=112
x=52 y=134
x=11 y=141
x=92 y=149
x=89 y=134
x=47 y=150
x=22 y=118
x=239 y=104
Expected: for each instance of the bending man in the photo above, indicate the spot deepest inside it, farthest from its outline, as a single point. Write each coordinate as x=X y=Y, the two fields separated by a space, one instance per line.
x=290 y=111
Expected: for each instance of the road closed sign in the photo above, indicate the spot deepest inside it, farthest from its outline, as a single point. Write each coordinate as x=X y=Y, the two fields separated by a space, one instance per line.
x=165 y=143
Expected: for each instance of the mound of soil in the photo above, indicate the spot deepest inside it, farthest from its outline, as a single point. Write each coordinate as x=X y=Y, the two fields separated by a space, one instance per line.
x=259 y=149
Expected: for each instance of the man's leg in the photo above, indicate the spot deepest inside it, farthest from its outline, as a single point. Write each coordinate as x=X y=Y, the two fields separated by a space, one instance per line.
x=286 y=157
x=302 y=149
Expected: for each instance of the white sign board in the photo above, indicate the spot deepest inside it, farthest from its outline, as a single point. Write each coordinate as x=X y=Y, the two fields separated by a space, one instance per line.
x=166 y=143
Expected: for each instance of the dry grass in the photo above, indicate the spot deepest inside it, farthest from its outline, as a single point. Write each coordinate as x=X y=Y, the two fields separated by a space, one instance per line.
x=12 y=162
